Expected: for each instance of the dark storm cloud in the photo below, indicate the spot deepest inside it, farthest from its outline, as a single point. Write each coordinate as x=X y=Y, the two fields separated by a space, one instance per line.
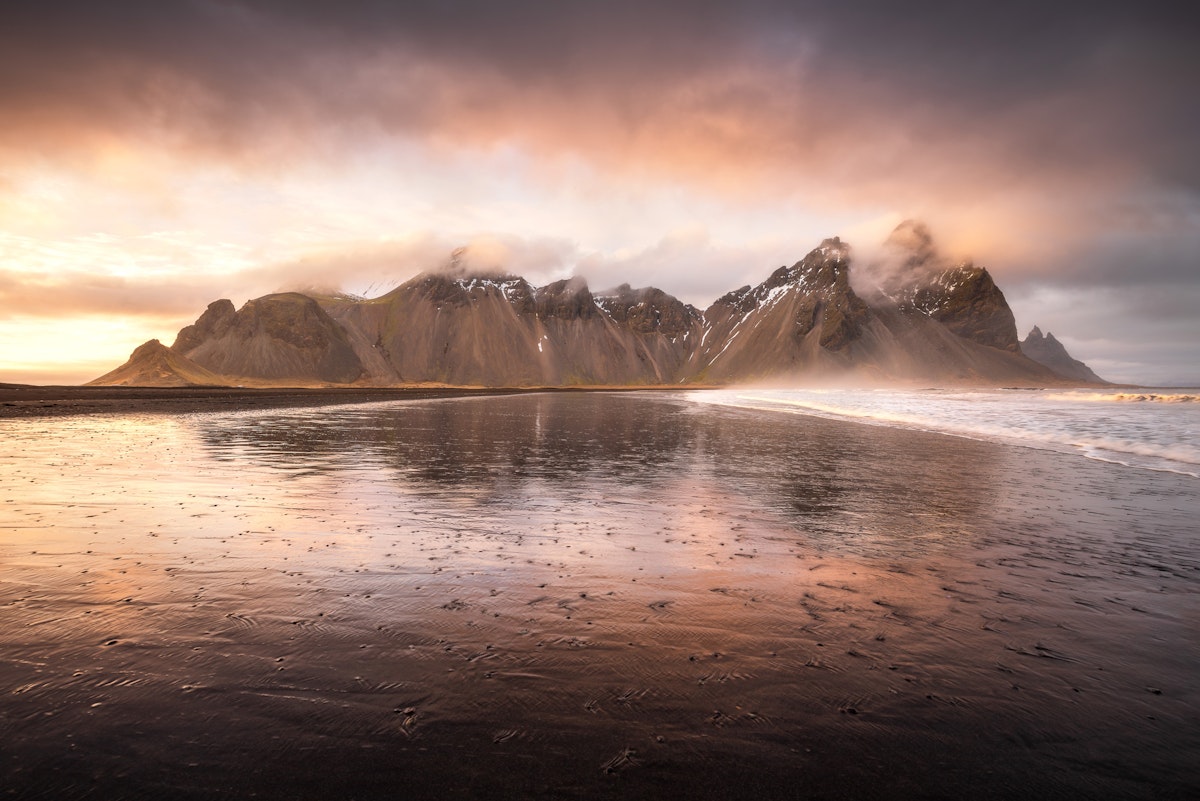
x=1100 y=87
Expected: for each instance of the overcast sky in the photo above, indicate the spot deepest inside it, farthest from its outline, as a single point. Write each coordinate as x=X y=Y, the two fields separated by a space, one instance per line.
x=155 y=156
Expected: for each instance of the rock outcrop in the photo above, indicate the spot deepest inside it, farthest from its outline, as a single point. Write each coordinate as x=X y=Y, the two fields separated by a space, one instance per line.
x=803 y=318
x=1050 y=352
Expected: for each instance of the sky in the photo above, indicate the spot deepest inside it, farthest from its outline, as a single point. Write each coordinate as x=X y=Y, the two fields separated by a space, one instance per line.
x=156 y=156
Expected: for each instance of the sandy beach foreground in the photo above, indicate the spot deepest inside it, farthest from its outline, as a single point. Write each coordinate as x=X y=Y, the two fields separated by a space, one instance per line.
x=586 y=595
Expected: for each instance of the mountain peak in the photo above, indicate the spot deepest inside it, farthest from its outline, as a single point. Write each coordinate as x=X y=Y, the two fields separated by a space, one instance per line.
x=834 y=248
x=648 y=310
x=911 y=236
x=282 y=336
x=1050 y=352
x=909 y=259
x=569 y=298
x=215 y=320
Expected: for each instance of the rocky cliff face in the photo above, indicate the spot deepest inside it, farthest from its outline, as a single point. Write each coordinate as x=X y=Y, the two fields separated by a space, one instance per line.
x=649 y=311
x=279 y=337
x=919 y=280
x=1050 y=352
x=922 y=319
x=969 y=304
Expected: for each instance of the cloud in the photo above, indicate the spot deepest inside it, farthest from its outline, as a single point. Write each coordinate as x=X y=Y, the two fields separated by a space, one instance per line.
x=70 y=294
x=890 y=102
x=1053 y=146
x=1020 y=131
x=371 y=269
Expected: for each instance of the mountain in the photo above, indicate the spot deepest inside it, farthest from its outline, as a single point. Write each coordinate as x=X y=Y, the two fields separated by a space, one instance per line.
x=803 y=318
x=922 y=321
x=1049 y=351
x=498 y=330
x=283 y=337
x=155 y=365
x=911 y=316
x=964 y=298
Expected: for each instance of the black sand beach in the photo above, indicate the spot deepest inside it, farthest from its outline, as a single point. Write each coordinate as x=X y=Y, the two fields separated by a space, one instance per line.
x=25 y=400
x=586 y=595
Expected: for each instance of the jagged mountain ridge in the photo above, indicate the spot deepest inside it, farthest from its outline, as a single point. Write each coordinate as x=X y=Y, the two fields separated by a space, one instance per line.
x=500 y=330
x=951 y=324
x=275 y=337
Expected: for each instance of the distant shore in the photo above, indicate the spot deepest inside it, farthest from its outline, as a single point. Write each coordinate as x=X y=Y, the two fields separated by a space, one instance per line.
x=31 y=400
x=22 y=400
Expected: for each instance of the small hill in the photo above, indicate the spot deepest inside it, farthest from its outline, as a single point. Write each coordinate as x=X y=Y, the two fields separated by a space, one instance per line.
x=155 y=365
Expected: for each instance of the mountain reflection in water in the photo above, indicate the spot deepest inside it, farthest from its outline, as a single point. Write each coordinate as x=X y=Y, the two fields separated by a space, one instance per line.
x=505 y=453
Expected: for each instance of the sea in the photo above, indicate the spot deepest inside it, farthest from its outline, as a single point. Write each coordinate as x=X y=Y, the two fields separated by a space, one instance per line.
x=752 y=593
x=1150 y=428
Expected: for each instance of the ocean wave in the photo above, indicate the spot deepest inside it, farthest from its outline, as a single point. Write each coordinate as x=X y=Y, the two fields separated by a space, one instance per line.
x=1125 y=397
x=1165 y=444
x=1171 y=453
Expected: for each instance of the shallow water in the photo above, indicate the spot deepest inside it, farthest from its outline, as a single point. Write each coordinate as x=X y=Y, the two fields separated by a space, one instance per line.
x=1150 y=429
x=586 y=595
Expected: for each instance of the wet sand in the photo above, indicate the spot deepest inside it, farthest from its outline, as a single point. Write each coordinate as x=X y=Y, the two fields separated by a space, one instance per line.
x=586 y=596
x=28 y=400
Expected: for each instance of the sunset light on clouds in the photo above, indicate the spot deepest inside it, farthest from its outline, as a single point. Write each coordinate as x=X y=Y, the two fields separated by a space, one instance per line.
x=157 y=156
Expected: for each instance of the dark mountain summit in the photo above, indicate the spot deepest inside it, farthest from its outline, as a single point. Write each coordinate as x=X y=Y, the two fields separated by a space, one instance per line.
x=964 y=298
x=920 y=319
x=648 y=311
x=968 y=302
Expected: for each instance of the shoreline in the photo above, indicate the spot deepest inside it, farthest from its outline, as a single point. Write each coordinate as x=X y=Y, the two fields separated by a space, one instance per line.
x=35 y=400
x=24 y=401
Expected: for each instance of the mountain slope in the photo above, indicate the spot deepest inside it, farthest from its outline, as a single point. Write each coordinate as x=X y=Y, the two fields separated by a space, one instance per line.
x=153 y=364
x=802 y=318
x=500 y=330
x=920 y=280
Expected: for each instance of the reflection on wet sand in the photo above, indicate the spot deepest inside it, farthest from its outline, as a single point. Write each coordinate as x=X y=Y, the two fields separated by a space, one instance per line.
x=586 y=596
x=512 y=452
